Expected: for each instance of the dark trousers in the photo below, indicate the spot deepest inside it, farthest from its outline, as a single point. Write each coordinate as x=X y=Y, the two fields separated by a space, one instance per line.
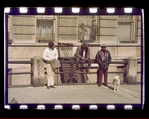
x=78 y=61
x=100 y=72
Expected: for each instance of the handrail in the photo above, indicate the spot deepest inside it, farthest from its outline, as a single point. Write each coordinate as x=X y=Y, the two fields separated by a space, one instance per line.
x=20 y=62
x=16 y=73
x=62 y=61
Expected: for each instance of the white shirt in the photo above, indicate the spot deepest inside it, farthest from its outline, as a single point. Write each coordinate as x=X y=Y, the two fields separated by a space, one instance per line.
x=50 y=54
x=83 y=53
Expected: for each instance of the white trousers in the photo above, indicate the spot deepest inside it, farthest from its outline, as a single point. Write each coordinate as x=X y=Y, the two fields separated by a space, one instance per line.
x=50 y=75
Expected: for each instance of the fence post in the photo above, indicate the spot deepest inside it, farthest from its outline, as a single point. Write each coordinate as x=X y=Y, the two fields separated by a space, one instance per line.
x=37 y=67
x=131 y=70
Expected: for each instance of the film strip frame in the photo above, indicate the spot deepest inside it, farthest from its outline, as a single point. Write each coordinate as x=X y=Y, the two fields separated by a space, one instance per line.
x=71 y=11
x=74 y=11
x=73 y=106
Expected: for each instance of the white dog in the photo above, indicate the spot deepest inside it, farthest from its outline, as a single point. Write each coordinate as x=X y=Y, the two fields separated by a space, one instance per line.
x=115 y=83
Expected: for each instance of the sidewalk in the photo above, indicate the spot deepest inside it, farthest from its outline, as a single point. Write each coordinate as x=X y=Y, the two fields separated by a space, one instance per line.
x=81 y=94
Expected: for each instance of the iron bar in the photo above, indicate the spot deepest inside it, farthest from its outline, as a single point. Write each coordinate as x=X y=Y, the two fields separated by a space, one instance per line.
x=96 y=72
x=16 y=73
x=20 y=62
x=86 y=72
x=82 y=67
x=93 y=61
x=62 y=61
x=139 y=62
x=62 y=72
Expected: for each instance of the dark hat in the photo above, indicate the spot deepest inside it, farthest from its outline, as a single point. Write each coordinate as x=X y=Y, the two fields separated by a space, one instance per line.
x=50 y=44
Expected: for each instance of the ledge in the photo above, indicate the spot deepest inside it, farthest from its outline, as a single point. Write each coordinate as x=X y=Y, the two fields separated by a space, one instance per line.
x=74 y=45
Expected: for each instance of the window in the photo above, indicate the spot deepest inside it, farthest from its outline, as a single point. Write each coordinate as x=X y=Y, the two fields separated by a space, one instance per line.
x=125 y=30
x=86 y=28
x=45 y=30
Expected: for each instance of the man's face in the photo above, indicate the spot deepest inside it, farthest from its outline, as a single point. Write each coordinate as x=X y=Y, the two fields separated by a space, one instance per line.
x=52 y=47
x=103 y=48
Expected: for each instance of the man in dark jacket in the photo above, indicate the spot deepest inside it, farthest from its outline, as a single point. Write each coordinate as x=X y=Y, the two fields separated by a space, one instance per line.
x=83 y=53
x=103 y=58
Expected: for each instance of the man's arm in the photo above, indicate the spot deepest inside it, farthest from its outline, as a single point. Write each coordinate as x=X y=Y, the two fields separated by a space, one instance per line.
x=56 y=54
x=109 y=58
x=97 y=58
x=88 y=53
x=45 y=56
x=78 y=52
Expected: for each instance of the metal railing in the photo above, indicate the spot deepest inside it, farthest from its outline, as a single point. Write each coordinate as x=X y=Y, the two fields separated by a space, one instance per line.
x=19 y=62
x=67 y=60
x=71 y=72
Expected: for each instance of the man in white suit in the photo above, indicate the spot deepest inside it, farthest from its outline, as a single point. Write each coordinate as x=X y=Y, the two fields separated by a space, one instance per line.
x=50 y=55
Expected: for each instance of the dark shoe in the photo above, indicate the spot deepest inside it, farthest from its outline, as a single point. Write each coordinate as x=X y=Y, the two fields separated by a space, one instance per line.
x=88 y=71
x=99 y=85
x=105 y=84
x=52 y=86
x=48 y=87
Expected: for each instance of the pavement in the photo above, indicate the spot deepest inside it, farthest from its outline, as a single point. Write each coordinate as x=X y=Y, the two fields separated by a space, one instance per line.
x=82 y=94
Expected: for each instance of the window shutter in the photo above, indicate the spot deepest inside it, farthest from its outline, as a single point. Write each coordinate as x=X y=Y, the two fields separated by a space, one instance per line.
x=108 y=29
x=23 y=29
x=68 y=28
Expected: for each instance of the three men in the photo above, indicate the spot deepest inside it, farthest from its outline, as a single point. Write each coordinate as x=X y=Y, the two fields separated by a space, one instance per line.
x=103 y=58
x=50 y=55
x=83 y=54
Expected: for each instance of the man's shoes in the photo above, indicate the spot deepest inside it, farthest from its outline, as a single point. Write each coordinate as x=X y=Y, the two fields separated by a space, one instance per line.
x=99 y=85
x=48 y=87
x=52 y=86
x=105 y=84
x=88 y=71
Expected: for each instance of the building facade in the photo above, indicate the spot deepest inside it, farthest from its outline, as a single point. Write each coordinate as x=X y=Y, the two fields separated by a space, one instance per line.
x=28 y=36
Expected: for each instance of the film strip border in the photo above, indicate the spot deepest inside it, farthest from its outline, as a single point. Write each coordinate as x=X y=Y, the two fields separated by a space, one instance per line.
x=71 y=11
x=74 y=107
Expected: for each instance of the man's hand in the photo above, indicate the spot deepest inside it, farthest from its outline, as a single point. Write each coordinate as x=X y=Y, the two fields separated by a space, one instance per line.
x=82 y=58
x=53 y=60
x=86 y=59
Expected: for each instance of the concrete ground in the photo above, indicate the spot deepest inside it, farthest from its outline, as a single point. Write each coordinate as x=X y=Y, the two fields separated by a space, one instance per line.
x=91 y=94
